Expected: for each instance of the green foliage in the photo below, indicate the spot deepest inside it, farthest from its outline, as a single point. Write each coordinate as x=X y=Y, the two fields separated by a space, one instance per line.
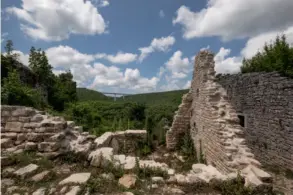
x=84 y=94
x=20 y=90
x=276 y=56
x=14 y=92
x=158 y=98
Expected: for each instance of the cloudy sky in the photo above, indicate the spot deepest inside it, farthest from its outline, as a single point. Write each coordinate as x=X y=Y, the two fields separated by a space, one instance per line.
x=135 y=46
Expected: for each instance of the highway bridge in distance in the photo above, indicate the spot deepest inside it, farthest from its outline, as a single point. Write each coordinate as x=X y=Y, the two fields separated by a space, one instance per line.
x=115 y=95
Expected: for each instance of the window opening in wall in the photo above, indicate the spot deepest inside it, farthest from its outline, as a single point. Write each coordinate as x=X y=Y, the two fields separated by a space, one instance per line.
x=241 y=120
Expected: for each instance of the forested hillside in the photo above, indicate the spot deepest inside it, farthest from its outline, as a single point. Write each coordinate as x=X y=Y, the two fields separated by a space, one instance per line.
x=158 y=98
x=84 y=94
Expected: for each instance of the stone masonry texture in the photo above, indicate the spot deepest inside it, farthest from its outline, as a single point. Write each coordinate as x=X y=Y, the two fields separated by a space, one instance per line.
x=265 y=100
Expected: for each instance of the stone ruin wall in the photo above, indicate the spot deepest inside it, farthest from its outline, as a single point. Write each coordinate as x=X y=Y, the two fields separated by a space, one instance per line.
x=27 y=129
x=265 y=100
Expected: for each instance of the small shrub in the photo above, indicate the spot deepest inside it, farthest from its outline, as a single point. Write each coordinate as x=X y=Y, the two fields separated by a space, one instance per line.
x=147 y=172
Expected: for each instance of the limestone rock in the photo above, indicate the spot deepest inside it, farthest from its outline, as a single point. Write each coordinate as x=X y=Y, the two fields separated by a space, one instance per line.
x=101 y=157
x=30 y=146
x=37 y=118
x=198 y=168
x=64 y=189
x=40 y=191
x=108 y=176
x=153 y=164
x=40 y=176
x=128 y=180
x=24 y=171
x=48 y=146
x=14 y=126
x=104 y=139
x=175 y=191
x=157 y=179
x=6 y=143
x=6 y=161
x=7 y=182
x=79 y=178
x=74 y=190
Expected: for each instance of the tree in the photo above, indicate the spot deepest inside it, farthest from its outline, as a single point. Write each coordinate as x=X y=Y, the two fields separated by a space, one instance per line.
x=276 y=56
x=9 y=47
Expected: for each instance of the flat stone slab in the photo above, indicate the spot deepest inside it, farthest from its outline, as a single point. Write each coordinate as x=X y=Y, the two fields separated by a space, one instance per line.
x=40 y=191
x=40 y=176
x=24 y=171
x=74 y=190
x=79 y=178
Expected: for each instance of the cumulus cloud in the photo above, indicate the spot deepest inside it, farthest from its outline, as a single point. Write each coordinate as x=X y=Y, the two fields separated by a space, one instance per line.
x=225 y=64
x=55 y=20
x=114 y=77
x=161 y=14
x=256 y=43
x=235 y=19
x=178 y=65
x=162 y=44
x=102 y=3
x=187 y=85
x=119 y=58
x=65 y=56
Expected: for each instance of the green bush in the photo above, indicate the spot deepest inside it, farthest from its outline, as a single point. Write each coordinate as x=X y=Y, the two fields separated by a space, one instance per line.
x=14 y=92
x=276 y=56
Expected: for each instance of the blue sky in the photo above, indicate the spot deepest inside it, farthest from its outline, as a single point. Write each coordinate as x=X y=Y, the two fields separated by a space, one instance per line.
x=136 y=46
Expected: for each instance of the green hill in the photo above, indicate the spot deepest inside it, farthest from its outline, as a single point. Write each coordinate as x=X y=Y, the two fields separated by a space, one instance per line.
x=167 y=97
x=84 y=94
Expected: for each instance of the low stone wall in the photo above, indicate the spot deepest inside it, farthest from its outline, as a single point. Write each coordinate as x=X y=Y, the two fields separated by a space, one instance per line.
x=27 y=129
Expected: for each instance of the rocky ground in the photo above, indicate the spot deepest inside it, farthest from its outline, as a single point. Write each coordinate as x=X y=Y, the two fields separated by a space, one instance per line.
x=71 y=174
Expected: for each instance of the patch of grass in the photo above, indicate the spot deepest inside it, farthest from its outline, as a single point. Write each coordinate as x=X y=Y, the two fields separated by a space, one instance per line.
x=71 y=157
x=23 y=158
x=148 y=172
x=45 y=163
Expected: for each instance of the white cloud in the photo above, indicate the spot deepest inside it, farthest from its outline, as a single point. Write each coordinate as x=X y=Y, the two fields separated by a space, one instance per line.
x=178 y=65
x=235 y=19
x=227 y=65
x=55 y=20
x=187 y=85
x=256 y=43
x=114 y=77
x=162 y=44
x=65 y=57
x=205 y=48
x=161 y=14
x=102 y=3
x=3 y=35
x=119 y=58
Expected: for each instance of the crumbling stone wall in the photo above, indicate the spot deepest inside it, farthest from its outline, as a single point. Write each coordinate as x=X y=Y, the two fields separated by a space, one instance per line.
x=266 y=102
x=27 y=129
x=180 y=123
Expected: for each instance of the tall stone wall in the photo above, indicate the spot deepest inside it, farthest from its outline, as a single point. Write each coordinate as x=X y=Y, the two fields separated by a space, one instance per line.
x=239 y=121
x=266 y=102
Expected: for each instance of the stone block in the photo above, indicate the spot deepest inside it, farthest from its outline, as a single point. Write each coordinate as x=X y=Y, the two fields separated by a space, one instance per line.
x=48 y=146
x=14 y=126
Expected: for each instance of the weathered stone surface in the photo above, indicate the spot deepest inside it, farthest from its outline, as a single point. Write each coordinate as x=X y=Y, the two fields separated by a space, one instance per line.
x=48 y=146
x=40 y=176
x=14 y=126
x=79 y=178
x=24 y=171
x=74 y=190
x=6 y=143
x=40 y=191
x=128 y=180
x=30 y=146
x=101 y=157
x=157 y=179
x=37 y=118
x=108 y=176
x=104 y=139
x=7 y=182
x=198 y=168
